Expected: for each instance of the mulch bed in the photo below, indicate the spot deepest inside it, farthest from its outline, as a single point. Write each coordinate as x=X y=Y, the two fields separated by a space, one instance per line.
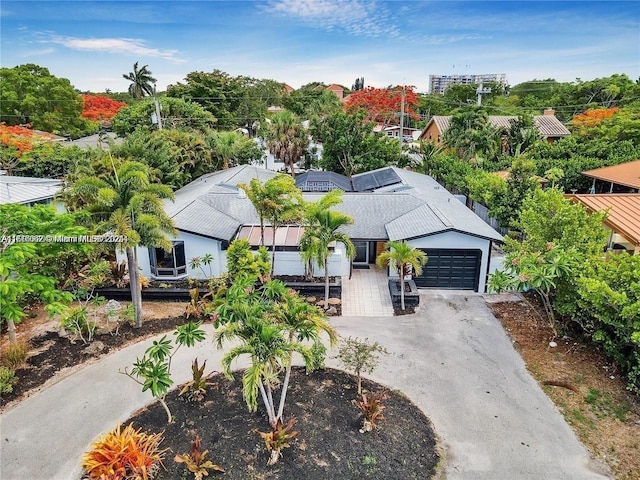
x=56 y=353
x=329 y=444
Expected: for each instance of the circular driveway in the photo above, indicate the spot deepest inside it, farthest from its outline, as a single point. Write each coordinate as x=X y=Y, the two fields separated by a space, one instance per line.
x=452 y=358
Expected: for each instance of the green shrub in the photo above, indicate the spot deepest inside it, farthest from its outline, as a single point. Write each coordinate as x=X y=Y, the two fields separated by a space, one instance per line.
x=7 y=379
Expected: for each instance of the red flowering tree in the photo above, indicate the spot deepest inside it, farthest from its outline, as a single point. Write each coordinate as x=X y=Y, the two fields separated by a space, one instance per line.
x=21 y=138
x=593 y=118
x=99 y=108
x=382 y=105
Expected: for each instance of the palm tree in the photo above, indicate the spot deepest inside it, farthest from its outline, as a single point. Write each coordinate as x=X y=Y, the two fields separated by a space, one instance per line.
x=286 y=138
x=404 y=258
x=321 y=231
x=269 y=350
x=226 y=146
x=127 y=203
x=303 y=322
x=277 y=201
x=141 y=81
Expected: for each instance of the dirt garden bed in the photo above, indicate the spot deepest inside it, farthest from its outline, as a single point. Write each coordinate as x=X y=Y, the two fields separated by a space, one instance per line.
x=328 y=445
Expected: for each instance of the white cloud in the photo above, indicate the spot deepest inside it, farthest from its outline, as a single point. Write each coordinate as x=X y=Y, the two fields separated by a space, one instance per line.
x=116 y=45
x=355 y=17
x=37 y=53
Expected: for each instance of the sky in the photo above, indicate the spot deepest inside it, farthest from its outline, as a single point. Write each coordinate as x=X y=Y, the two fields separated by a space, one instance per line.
x=332 y=41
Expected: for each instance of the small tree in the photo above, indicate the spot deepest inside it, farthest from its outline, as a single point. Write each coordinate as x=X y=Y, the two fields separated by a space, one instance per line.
x=321 y=230
x=360 y=356
x=154 y=368
x=404 y=258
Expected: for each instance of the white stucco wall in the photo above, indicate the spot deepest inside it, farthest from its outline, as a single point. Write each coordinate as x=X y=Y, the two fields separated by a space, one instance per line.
x=286 y=263
x=458 y=240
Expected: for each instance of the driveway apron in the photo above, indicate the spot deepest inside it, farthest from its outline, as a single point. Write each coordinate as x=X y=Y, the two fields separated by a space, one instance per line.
x=452 y=358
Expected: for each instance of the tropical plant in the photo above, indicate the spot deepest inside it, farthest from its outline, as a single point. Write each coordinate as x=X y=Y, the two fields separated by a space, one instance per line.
x=278 y=438
x=322 y=230
x=278 y=201
x=124 y=453
x=201 y=262
x=371 y=407
x=405 y=259
x=286 y=138
x=471 y=137
x=196 y=388
x=127 y=203
x=269 y=350
x=242 y=260
x=142 y=83
x=360 y=356
x=7 y=379
x=28 y=271
x=302 y=322
x=196 y=461
x=154 y=368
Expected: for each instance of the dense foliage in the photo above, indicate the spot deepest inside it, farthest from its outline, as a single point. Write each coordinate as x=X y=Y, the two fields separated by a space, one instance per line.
x=176 y=113
x=29 y=94
x=100 y=107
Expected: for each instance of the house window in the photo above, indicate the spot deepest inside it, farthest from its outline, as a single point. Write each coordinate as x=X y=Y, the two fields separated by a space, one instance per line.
x=168 y=264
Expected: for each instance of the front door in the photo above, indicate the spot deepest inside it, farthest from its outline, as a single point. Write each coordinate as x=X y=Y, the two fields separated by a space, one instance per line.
x=362 y=253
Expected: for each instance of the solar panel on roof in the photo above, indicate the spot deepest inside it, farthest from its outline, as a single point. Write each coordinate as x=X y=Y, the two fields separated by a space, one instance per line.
x=386 y=177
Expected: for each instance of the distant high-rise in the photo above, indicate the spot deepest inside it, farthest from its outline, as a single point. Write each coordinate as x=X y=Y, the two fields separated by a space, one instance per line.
x=440 y=83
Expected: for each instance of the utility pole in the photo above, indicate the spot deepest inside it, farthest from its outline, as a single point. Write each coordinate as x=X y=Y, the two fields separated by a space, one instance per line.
x=156 y=118
x=482 y=91
x=402 y=116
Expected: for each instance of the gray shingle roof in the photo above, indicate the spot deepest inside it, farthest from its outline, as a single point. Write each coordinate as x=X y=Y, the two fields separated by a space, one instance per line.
x=320 y=181
x=416 y=206
x=372 y=211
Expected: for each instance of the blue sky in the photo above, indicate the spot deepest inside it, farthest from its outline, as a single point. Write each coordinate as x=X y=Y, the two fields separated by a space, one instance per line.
x=332 y=41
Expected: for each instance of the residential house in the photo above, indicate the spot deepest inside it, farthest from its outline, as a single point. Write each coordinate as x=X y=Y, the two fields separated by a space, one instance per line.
x=393 y=131
x=547 y=125
x=28 y=190
x=622 y=178
x=623 y=217
x=386 y=204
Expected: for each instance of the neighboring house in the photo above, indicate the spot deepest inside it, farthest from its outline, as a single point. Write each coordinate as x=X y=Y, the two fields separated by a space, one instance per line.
x=408 y=134
x=28 y=190
x=386 y=204
x=623 y=217
x=96 y=141
x=622 y=178
x=337 y=90
x=547 y=125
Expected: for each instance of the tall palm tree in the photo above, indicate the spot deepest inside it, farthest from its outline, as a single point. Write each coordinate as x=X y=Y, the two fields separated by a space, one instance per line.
x=286 y=138
x=127 y=203
x=141 y=81
x=404 y=258
x=322 y=229
x=277 y=201
x=226 y=146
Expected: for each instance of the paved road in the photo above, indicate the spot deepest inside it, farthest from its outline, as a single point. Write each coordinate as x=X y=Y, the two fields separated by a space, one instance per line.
x=452 y=359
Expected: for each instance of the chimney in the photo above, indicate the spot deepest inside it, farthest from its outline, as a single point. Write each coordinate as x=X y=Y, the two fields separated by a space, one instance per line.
x=549 y=111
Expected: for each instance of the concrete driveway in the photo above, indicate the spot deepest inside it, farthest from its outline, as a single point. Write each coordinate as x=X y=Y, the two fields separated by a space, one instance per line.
x=452 y=359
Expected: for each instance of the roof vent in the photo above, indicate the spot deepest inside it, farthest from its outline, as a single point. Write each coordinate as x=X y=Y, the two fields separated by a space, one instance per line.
x=241 y=193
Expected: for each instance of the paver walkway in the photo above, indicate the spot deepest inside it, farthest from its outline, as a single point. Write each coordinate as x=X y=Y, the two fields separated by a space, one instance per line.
x=366 y=294
x=452 y=359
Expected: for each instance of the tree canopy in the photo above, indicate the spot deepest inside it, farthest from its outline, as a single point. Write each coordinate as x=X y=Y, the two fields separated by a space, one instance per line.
x=30 y=94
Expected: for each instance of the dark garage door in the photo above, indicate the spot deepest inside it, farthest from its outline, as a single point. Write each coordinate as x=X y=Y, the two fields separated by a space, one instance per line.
x=450 y=268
